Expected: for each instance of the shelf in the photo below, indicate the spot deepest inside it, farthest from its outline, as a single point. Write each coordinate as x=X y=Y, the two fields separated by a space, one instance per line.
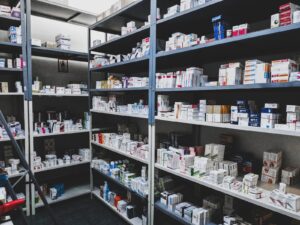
x=12 y=94
x=7 y=21
x=233 y=87
x=8 y=47
x=20 y=174
x=61 y=133
x=59 y=53
x=11 y=3
x=232 y=127
x=123 y=44
x=200 y=16
x=171 y=214
x=134 y=221
x=10 y=70
x=131 y=66
x=107 y=177
x=120 y=114
x=264 y=202
x=120 y=89
x=70 y=193
x=16 y=138
x=137 y=11
x=120 y=152
x=61 y=166
x=249 y=45
x=59 y=95
x=65 y=13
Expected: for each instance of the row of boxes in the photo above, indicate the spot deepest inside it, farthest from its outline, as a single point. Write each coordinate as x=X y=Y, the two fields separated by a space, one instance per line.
x=10 y=11
x=191 y=213
x=142 y=49
x=138 y=148
x=281 y=70
x=256 y=72
x=244 y=113
x=115 y=82
x=230 y=74
x=191 y=77
x=11 y=63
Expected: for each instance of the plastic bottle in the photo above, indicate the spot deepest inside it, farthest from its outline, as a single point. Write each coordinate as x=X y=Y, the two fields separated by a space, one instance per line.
x=105 y=191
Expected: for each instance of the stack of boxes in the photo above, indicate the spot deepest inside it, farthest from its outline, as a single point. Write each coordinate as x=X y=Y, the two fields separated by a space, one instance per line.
x=280 y=197
x=230 y=74
x=293 y=117
x=218 y=113
x=63 y=41
x=189 y=212
x=269 y=115
x=5 y=10
x=241 y=29
x=203 y=103
x=192 y=77
x=250 y=181
x=271 y=166
x=130 y=27
x=4 y=87
x=286 y=13
x=188 y=4
x=185 y=111
x=215 y=152
x=202 y=166
x=8 y=11
x=290 y=175
x=15 y=35
x=172 y=11
x=179 y=40
x=256 y=72
x=245 y=114
x=281 y=70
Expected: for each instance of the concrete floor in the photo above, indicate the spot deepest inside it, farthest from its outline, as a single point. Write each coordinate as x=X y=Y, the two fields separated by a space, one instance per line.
x=79 y=211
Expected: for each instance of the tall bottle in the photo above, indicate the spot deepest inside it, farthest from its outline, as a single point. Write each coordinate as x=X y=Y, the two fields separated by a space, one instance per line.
x=105 y=191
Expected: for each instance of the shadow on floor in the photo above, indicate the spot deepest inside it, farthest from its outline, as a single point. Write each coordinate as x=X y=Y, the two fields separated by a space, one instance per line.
x=79 y=211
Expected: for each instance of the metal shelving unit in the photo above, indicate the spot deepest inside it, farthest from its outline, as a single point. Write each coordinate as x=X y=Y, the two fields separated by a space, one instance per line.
x=18 y=100
x=257 y=43
x=138 y=11
x=63 y=13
